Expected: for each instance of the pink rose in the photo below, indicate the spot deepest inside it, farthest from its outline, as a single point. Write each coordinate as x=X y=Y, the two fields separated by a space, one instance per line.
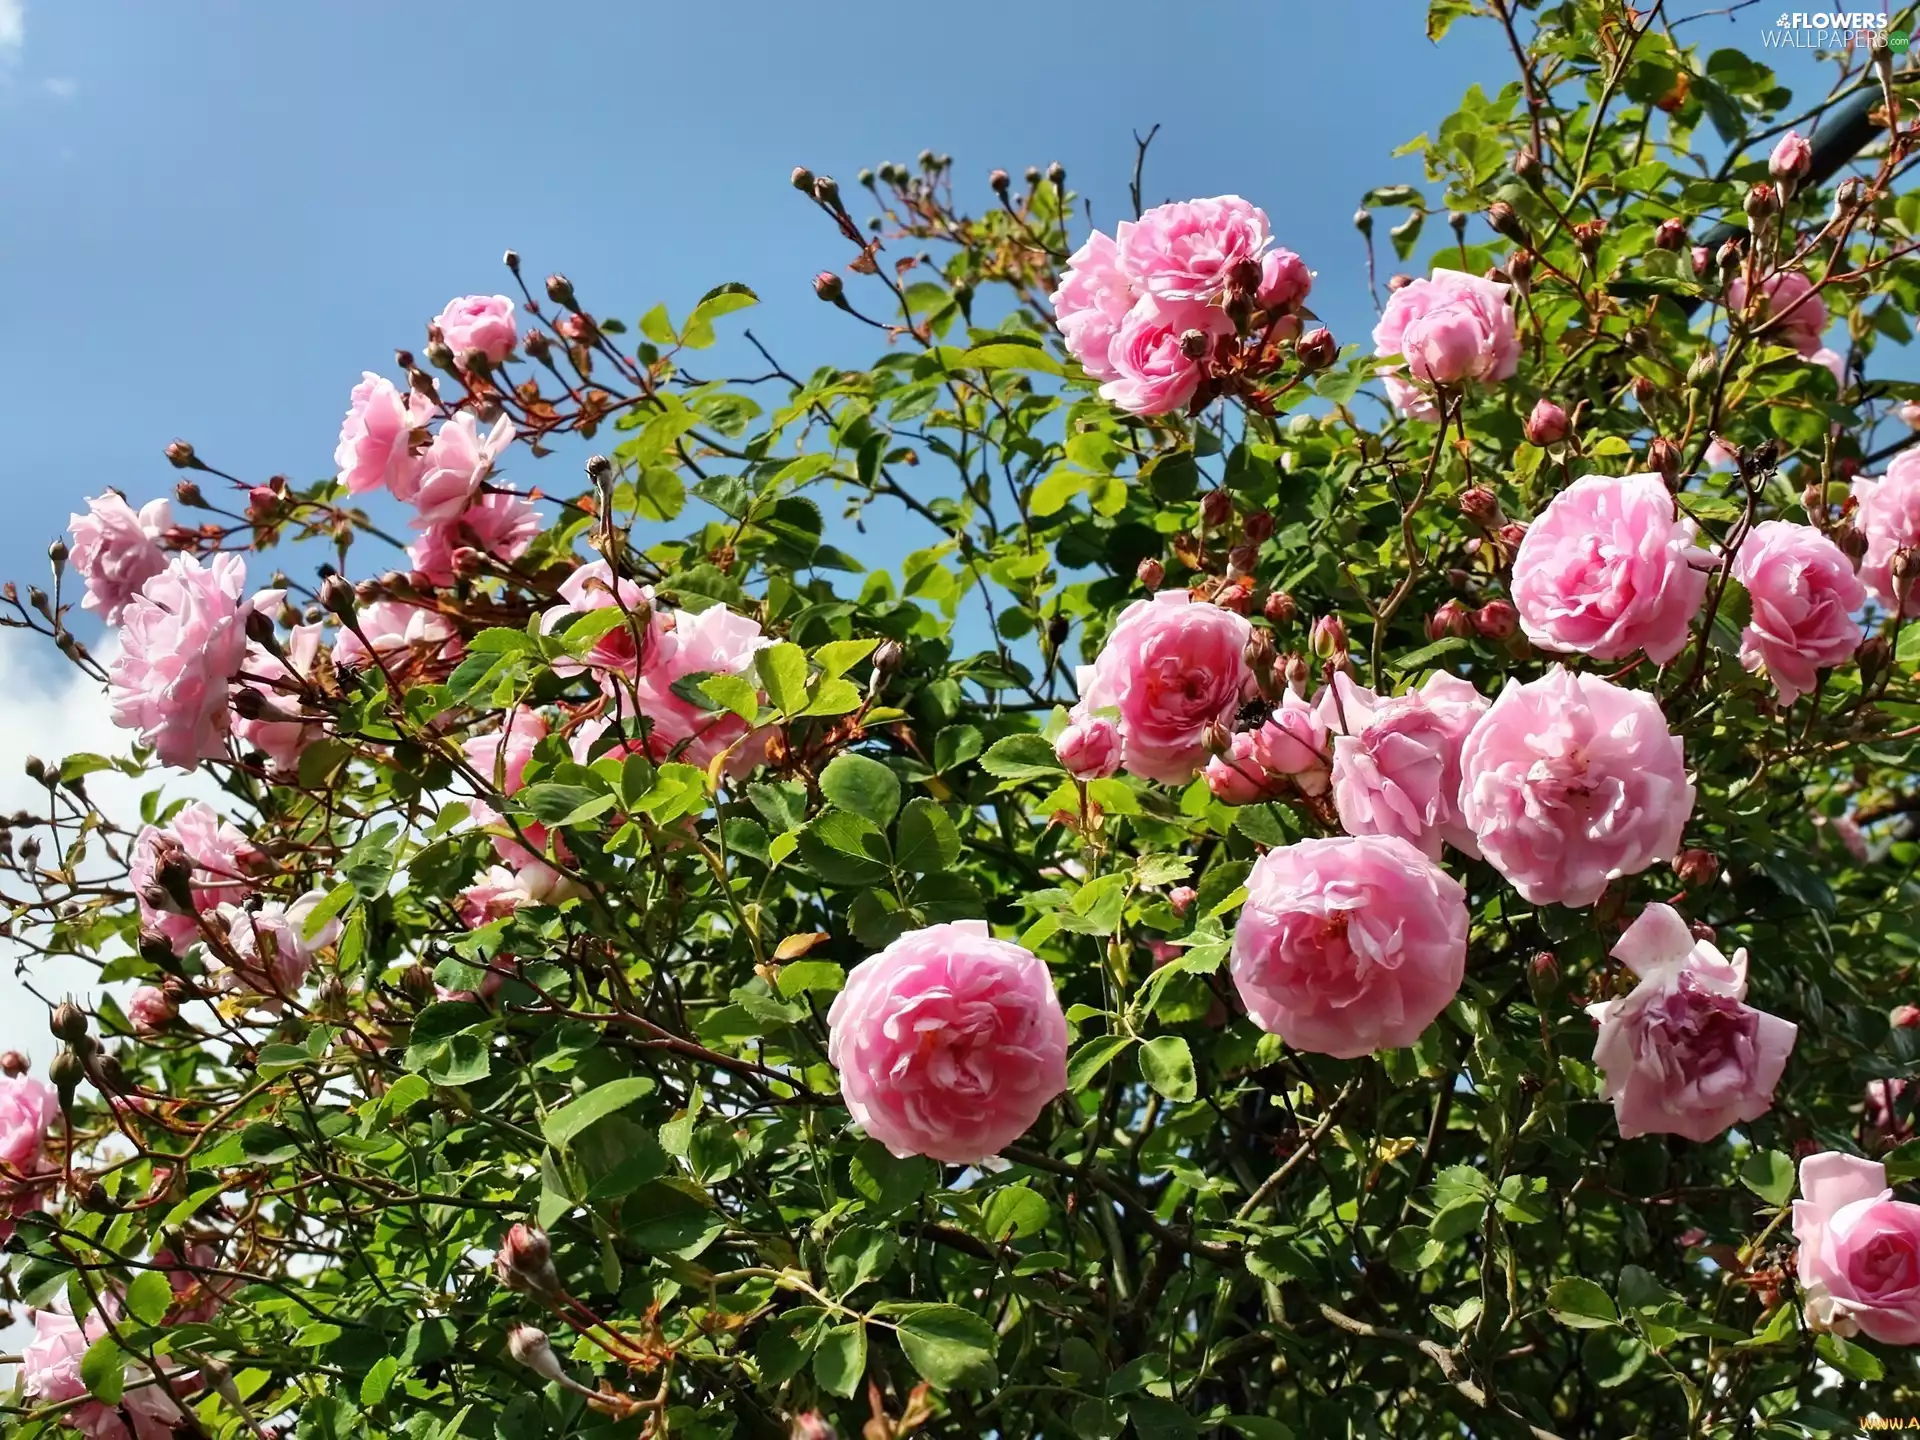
x=1571 y=781
x=1791 y=158
x=1450 y=328
x=1608 y=568
x=1295 y=741
x=221 y=858
x=1718 y=455
x=1879 y=1116
x=501 y=756
x=1790 y=309
x=116 y=550
x=376 y=438
x=949 y=1043
x=1835 y=363
x=1172 y=666
x=453 y=466
x=151 y=1010
x=494 y=896
x=50 y=1375
x=714 y=641
x=182 y=640
x=1406 y=397
x=1093 y=298
x=1859 y=1258
x=1396 y=769
x=1547 y=424
x=274 y=950
x=1889 y=515
x=197 y=1297
x=617 y=651
x=1684 y=1054
x=403 y=636
x=1284 y=280
x=1188 y=250
x=1089 y=747
x=501 y=523
x=282 y=733
x=1153 y=374
x=479 y=322
x=1349 y=945
x=1237 y=777
x=28 y=1108
x=1909 y=414
x=1804 y=594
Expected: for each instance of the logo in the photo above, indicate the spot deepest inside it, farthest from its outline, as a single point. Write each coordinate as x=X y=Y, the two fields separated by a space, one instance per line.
x=1832 y=30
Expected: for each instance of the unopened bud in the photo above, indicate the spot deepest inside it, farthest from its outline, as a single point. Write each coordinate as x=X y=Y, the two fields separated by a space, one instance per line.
x=1258 y=527
x=1664 y=459
x=803 y=179
x=1671 y=234
x=827 y=191
x=1482 y=506
x=525 y=1262
x=887 y=657
x=1851 y=539
x=560 y=290
x=1512 y=533
x=828 y=287
x=1216 y=738
x=1520 y=270
x=1452 y=619
x=1057 y=174
x=337 y=595
x=999 y=180
x=1762 y=200
x=529 y=1345
x=13 y=1064
x=440 y=355
x=1644 y=392
x=1904 y=1017
x=1496 y=620
x=1547 y=424
x=1399 y=282
x=1543 y=976
x=1297 y=672
x=1874 y=655
x=811 y=1425
x=1526 y=165
x=416 y=982
x=66 y=1072
x=1216 y=508
x=1194 y=343
x=1280 y=608
x=57 y=554
x=1180 y=899
x=1458 y=220
x=1696 y=868
x=1505 y=221
x=180 y=455
x=1363 y=221
x=1329 y=637
x=188 y=494
x=1150 y=573
x=1704 y=372
x=1316 y=349
x=68 y=1022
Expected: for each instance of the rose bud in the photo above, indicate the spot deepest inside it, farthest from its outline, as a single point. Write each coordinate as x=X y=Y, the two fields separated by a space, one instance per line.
x=68 y=1022
x=1316 y=349
x=1180 y=899
x=887 y=657
x=1451 y=620
x=1496 y=620
x=529 y=1345
x=1057 y=173
x=1482 y=506
x=812 y=1425
x=337 y=595
x=802 y=179
x=1547 y=424
x=1664 y=459
x=827 y=286
x=1705 y=369
x=1644 y=392
x=1671 y=233
x=1791 y=158
x=1520 y=270
x=1526 y=166
x=560 y=290
x=1762 y=200
x=1216 y=738
x=1363 y=221
x=1329 y=637
x=1728 y=257
x=1280 y=608
x=1258 y=527
x=1904 y=1017
x=1194 y=343
x=1298 y=675
x=1501 y=216
x=1543 y=975
x=1874 y=654
x=1702 y=258
x=180 y=455
x=1399 y=282
x=13 y=1064
x=1151 y=573
x=1216 y=508
x=525 y=1262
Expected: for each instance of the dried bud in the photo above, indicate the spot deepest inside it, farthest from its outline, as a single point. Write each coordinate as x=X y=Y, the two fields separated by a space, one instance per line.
x=13 y=1064
x=1280 y=608
x=1180 y=899
x=1260 y=654
x=1547 y=424
x=1874 y=655
x=560 y=290
x=1496 y=620
x=1728 y=256
x=188 y=494
x=827 y=191
x=1329 y=637
x=180 y=455
x=1316 y=349
x=1057 y=174
x=1151 y=573
x=1194 y=343
x=1450 y=620
x=802 y=179
x=1216 y=509
x=528 y=1344
x=1762 y=200
x=1664 y=459
x=1505 y=221
x=1363 y=221
x=1258 y=527
x=1526 y=165
x=1696 y=868
x=887 y=657
x=1297 y=672
x=1588 y=234
x=68 y=1022
x=525 y=1262
x=1520 y=270
x=828 y=287
x=1216 y=738
x=1851 y=539
x=1671 y=233
x=1000 y=181
x=337 y=595
x=1482 y=506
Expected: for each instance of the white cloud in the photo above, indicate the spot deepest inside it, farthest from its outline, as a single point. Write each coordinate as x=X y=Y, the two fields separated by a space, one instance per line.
x=13 y=27
x=59 y=87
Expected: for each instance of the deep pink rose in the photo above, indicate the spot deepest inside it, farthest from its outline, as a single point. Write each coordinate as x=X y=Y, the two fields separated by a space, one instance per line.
x=500 y=522
x=1089 y=747
x=1684 y=1054
x=454 y=464
x=714 y=641
x=223 y=862
x=182 y=640
x=150 y=1010
x=274 y=949
x=283 y=733
x=1804 y=594
x=116 y=550
x=1889 y=516
x=1396 y=769
x=1093 y=298
x=1610 y=567
x=1187 y=250
x=403 y=636
x=1296 y=742
x=377 y=436
x=50 y=1375
x=1450 y=328
x=949 y=1043
x=617 y=651
x=1172 y=666
x=479 y=322
x=1791 y=310
x=1859 y=1258
x=500 y=757
x=1152 y=373
x=1284 y=280
x=1547 y=424
x=1571 y=781
x=1349 y=945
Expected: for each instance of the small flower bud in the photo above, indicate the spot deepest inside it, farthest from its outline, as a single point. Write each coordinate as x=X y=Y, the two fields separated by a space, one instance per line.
x=1874 y=655
x=1696 y=868
x=1792 y=158
x=1644 y=391
x=1547 y=423
x=1762 y=200
x=1258 y=527
x=1506 y=221
x=1329 y=637
x=1496 y=620
x=68 y=1022
x=1216 y=738
x=1543 y=976
x=1704 y=372
x=827 y=191
x=1520 y=270
x=1728 y=256
x=529 y=1345
x=1482 y=506
x=13 y=1064
x=1150 y=573
x=511 y=260
x=560 y=290
x=66 y=1071
x=1260 y=654
x=828 y=287
x=188 y=494
x=1280 y=608
x=1458 y=221
x=1512 y=533
x=1057 y=174
x=1194 y=343
x=1904 y=1017
x=1671 y=233
x=1664 y=459
x=1526 y=165
x=1297 y=672
x=337 y=595
x=811 y=1425
x=525 y=1262
x=180 y=455
x=1180 y=899
x=1450 y=620
x=1587 y=234
x=1851 y=539
x=1216 y=508
x=887 y=657
x=802 y=179
x=1399 y=282
x=1363 y=221
x=1316 y=349
x=440 y=355
x=57 y=554
x=1000 y=181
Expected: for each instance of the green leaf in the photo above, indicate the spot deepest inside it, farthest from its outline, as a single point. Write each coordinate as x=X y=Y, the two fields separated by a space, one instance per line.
x=1167 y=1063
x=1849 y=1357
x=562 y=1125
x=928 y=841
x=1580 y=1303
x=845 y=849
x=369 y=864
x=862 y=785
x=1769 y=1174
x=950 y=1347
x=1022 y=757
x=103 y=1370
x=805 y=975
x=889 y=1182
x=1014 y=1212
x=276 y=1060
x=149 y=1297
x=657 y=327
x=1012 y=355
x=1090 y=1057
x=733 y=692
x=783 y=674
x=721 y=300
x=840 y=1360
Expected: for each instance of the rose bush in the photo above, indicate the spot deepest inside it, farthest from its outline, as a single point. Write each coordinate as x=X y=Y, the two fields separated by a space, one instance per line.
x=1336 y=885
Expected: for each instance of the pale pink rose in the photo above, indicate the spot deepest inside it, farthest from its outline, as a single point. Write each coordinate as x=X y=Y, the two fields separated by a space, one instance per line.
x=1610 y=567
x=1684 y=1054
x=182 y=640
x=617 y=651
x=223 y=862
x=1835 y=363
x=1571 y=781
x=1296 y=742
x=1093 y=298
x=453 y=466
x=1791 y=158
x=500 y=522
x=1804 y=594
x=1152 y=374
x=1790 y=309
x=1187 y=250
x=50 y=1375
x=1171 y=666
x=1859 y=1256
x=1450 y=328
x=1089 y=747
x=1718 y=455
x=1406 y=397
x=495 y=895
x=1909 y=414
x=1349 y=945
x=283 y=735
x=150 y=1010
x=197 y=1296
x=715 y=641
x=28 y=1108
x=117 y=549
x=403 y=636
x=1237 y=777
x=1889 y=516
x=377 y=436
x=479 y=322
x=949 y=1043
x=500 y=756
x=1396 y=770
x=272 y=945
x=1879 y=1115
x=1284 y=280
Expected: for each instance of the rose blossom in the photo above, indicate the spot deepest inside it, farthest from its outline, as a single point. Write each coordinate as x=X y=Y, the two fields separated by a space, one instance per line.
x=1295 y=741
x=496 y=894
x=278 y=682
x=1791 y=158
x=500 y=522
x=1406 y=397
x=1237 y=777
x=1152 y=373
x=949 y=1043
x=458 y=459
x=1450 y=328
x=182 y=639
x=1349 y=945
x=1608 y=568
x=117 y=549
x=1285 y=280
x=1187 y=250
x=1804 y=592
x=716 y=641
x=1683 y=1054
x=1571 y=781
x=1396 y=769
x=221 y=858
x=1171 y=666
x=28 y=1108
x=274 y=950
x=1089 y=747
x=50 y=1375
x=376 y=437
x=401 y=635
x=592 y=587
x=1859 y=1257
x=1909 y=414
x=501 y=756
x=1879 y=1116
x=1790 y=309
x=150 y=1010
x=1093 y=298
x=479 y=322
x=1889 y=516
